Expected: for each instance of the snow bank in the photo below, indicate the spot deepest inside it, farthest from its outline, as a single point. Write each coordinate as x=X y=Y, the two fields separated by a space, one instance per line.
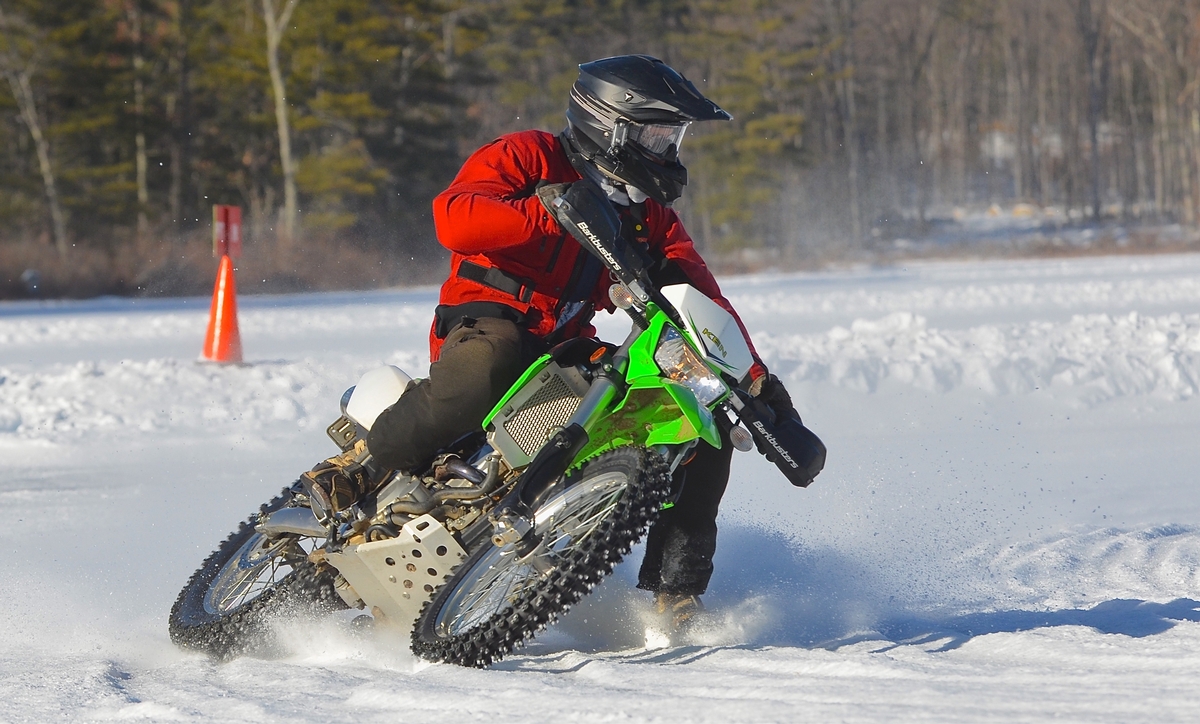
x=936 y=295
x=1094 y=357
x=188 y=318
x=71 y=401
x=1099 y=355
x=1086 y=567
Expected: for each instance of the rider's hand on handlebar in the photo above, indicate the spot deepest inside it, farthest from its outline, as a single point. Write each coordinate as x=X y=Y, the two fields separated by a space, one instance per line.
x=796 y=451
x=771 y=392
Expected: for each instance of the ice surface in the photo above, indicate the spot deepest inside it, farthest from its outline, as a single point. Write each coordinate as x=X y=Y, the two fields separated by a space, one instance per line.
x=1008 y=528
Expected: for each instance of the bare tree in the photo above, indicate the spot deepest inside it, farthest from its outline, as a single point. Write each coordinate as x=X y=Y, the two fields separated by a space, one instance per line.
x=178 y=106
x=841 y=21
x=1166 y=31
x=134 y=15
x=18 y=62
x=1091 y=18
x=276 y=24
x=913 y=29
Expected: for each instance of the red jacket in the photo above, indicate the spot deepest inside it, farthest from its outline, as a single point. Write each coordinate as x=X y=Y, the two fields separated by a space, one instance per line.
x=492 y=217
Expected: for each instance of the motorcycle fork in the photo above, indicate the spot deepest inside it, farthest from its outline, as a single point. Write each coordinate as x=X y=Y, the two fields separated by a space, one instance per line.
x=512 y=518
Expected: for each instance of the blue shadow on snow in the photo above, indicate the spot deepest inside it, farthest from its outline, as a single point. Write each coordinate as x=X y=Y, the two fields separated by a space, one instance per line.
x=819 y=598
x=1128 y=617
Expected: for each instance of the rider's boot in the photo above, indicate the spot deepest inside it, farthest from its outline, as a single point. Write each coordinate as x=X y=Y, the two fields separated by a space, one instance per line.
x=335 y=484
x=679 y=612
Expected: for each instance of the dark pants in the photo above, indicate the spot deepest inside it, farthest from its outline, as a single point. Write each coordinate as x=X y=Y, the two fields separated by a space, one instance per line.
x=680 y=547
x=480 y=360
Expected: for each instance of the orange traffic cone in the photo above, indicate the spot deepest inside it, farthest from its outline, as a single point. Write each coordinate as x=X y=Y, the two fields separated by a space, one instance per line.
x=223 y=343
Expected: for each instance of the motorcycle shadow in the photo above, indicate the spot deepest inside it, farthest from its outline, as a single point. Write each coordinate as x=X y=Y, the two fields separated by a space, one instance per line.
x=1128 y=617
x=768 y=591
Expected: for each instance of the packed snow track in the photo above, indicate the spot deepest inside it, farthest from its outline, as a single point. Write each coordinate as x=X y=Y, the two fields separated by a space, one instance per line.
x=1008 y=527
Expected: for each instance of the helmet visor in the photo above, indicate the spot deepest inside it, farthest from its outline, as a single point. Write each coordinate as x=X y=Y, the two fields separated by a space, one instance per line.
x=657 y=138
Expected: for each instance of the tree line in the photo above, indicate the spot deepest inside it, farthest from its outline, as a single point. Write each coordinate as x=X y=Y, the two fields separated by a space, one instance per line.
x=334 y=122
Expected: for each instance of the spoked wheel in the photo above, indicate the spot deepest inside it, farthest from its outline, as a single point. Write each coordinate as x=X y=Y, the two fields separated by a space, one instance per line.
x=256 y=568
x=225 y=608
x=499 y=597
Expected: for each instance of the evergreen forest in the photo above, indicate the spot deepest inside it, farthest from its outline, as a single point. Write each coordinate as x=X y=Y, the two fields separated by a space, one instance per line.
x=333 y=124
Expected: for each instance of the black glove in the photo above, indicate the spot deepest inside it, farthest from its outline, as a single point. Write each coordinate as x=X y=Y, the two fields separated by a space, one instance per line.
x=771 y=392
x=590 y=205
x=779 y=434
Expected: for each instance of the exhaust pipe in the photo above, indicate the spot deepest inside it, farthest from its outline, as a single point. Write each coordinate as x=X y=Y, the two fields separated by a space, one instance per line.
x=300 y=521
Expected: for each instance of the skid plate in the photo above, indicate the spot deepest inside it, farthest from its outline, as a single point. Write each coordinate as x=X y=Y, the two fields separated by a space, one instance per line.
x=395 y=577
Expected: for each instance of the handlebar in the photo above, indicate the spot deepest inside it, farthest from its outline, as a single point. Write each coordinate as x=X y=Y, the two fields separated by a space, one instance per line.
x=796 y=451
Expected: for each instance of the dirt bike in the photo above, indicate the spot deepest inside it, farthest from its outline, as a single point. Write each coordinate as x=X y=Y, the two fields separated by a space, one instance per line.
x=509 y=527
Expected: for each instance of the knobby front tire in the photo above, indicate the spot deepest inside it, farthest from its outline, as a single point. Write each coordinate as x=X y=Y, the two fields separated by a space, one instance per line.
x=496 y=599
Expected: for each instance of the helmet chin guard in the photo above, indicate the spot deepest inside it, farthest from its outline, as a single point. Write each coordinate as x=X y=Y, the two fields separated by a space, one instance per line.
x=628 y=116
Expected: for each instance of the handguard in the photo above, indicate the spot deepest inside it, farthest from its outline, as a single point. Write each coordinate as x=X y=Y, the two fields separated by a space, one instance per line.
x=582 y=209
x=796 y=451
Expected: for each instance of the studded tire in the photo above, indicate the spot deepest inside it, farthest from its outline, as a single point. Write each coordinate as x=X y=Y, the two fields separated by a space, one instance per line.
x=245 y=628
x=506 y=621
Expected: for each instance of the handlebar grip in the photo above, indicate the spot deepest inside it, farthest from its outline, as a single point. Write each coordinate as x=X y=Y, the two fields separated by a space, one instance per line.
x=796 y=451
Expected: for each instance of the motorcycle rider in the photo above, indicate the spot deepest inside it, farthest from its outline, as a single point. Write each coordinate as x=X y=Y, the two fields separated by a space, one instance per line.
x=519 y=284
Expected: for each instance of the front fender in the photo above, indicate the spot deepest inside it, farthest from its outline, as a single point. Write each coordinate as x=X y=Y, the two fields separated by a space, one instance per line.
x=696 y=420
x=654 y=411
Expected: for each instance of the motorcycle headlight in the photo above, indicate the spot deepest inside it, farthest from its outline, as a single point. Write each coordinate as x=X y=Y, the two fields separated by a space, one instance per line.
x=679 y=362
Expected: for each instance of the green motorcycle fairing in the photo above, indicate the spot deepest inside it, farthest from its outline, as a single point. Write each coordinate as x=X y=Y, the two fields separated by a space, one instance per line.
x=655 y=410
x=689 y=419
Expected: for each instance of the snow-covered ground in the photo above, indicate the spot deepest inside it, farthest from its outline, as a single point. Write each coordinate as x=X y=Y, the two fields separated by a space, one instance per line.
x=1008 y=527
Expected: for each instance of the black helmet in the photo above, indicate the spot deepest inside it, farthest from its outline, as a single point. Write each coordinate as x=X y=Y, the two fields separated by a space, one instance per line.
x=627 y=116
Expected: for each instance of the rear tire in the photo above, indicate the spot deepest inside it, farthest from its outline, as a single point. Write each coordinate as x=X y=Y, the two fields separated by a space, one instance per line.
x=226 y=607
x=495 y=601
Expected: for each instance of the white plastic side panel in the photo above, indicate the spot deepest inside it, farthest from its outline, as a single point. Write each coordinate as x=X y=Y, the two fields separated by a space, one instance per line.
x=375 y=392
x=395 y=577
x=711 y=328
